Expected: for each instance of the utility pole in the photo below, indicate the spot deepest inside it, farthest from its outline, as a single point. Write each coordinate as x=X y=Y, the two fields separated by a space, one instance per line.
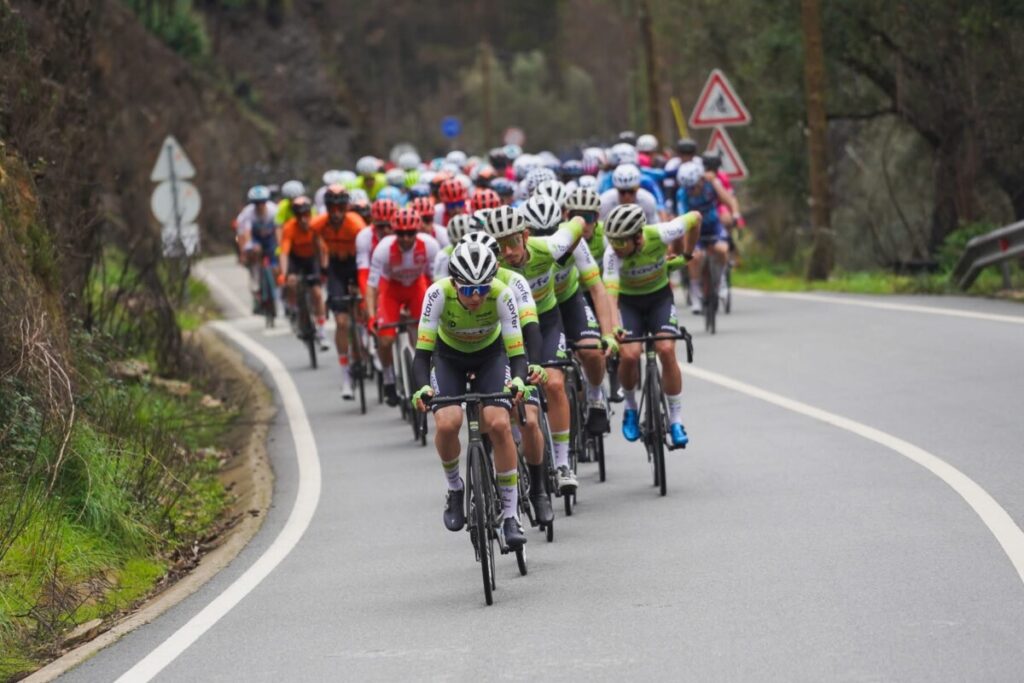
x=650 y=67
x=822 y=253
x=485 y=70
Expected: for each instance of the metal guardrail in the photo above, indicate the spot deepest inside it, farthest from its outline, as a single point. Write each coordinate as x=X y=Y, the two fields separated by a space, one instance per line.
x=998 y=246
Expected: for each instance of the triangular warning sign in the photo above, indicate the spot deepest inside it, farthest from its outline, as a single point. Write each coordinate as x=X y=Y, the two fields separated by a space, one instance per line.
x=171 y=160
x=732 y=163
x=718 y=105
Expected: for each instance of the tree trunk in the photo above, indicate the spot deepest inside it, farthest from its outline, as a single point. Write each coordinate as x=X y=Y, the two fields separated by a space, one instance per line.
x=651 y=68
x=822 y=256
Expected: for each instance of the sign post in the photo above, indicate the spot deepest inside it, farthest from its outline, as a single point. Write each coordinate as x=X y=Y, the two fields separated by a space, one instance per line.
x=175 y=202
x=732 y=162
x=719 y=106
x=451 y=128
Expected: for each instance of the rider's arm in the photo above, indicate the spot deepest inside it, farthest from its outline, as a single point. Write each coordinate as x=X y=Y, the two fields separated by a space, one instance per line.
x=611 y=283
x=726 y=197
x=377 y=265
x=426 y=334
x=512 y=334
x=286 y=246
x=565 y=238
x=528 y=318
x=433 y=251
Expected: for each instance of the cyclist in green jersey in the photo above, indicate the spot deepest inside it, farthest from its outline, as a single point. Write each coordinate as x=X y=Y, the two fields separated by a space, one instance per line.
x=370 y=179
x=636 y=273
x=535 y=259
x=470 y=326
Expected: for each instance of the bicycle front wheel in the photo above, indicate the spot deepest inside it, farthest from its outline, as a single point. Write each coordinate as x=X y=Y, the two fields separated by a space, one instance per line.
x=480 y=518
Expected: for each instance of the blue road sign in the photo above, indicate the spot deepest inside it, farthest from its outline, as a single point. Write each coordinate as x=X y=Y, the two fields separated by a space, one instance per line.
x=451 y=126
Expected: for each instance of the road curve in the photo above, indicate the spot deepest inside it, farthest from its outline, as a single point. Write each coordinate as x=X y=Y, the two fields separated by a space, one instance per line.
x=787 y=548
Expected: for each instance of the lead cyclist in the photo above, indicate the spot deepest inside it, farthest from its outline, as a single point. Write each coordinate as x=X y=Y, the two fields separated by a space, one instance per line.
x=470 y=326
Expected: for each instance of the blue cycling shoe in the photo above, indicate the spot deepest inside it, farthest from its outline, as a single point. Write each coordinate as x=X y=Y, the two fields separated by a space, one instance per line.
x=679 y=437
x=631 y=425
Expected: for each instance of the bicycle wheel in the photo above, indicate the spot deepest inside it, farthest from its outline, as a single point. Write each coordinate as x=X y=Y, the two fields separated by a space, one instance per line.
x=307 y=331
x=267 y=299
x=711 y=303
x=407 y=391
x=361 y=388
x=728 y=284
x=480 y=519
x=599 y=455
x=656 y=408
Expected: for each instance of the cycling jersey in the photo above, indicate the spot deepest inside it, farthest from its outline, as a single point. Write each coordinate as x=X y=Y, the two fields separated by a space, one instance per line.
x=610 y=199
x=647 y=183
x=521 y=291
x=542 y=253
x=706 y=202
x=298 y=241
x=645 y=270
x=441 y=262
x=468 y=331
x=258 y=229
x=341 y=240
x=284 y=212
x=404 y=268
x=596 y=244
x=366 y=242
x=581 y=265
x=378 y=184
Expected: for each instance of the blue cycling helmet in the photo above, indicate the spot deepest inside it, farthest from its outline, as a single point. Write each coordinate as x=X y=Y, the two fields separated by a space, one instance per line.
x=503 y=186
x=259 y=193
x=572 y=168
x=392 y=193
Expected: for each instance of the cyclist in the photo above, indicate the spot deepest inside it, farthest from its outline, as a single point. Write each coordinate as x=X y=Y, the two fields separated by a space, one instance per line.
x=485 y=198
x=686 y=150
x=627 y=190
x=636 y=273
x=424 y=206
x=702 y=191
x=453 y=196
x=569 y=172
x=463 y=317
x=338 y=230
x=370 y=179
x=257 y=236
x=409 y=163
x=289 y=191
x=330 y=178
x=382 y=213
x=402 y=260
x=458 y=227
x=300 y=257
x=504 y=189
x=535 y=258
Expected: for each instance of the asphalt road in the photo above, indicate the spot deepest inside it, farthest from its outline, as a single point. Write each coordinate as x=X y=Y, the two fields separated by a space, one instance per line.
x=787 y=548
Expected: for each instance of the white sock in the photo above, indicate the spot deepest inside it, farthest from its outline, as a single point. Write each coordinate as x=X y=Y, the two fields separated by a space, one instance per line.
x=675 y=408
x=451 y=473
x=389 y=375
x=723 y=284
x=694 y=292
x=508 y=489
x=561 y=443
x=594 y=392
x=629 y=396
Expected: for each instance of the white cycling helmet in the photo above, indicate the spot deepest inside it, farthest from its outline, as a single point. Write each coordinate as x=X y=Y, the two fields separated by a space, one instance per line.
x=466 y=181
x=396 y=178
x=457 y=157
x=542 y=214
x=450 y=168
x=587 y=181
x=357 y=194
x=623 y=153
x=367 y=165
x=583 y=199
x=626 y=177
x=346 y=177
x=647 y=143
x=483 y=239
x=408 y=161
x=523 y=164
x=461 y=225
x=480 y=216
x=332 y=177
x=472 y=264
x=504 y=221
x=293 y=189
x=513 y=151
x=625 y=220
x=554 y=189
x=689 y=174
x=537 y=176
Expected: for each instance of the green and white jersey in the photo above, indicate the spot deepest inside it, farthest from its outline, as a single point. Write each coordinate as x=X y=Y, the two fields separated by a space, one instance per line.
x=524 y=298
x=470 y=331
x=441 y=262
x=596 y=244
x=645 y=270
x=580 y=266
x=542 y=255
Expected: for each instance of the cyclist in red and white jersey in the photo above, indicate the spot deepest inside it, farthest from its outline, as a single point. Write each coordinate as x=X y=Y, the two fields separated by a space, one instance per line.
x=382 y=213
x=404 y=261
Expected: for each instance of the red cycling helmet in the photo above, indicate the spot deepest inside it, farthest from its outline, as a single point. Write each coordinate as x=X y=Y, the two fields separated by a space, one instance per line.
x=486 y=199
x=452 y=191
x=407 y=220
x=424 y=206
x=383 y=211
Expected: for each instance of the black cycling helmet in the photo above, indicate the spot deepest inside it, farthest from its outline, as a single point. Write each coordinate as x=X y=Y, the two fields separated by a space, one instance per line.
x=503 y=186
x=686 y=146
x=628 y=136
x=498 y=157
x=712 y=161
x=336 y=195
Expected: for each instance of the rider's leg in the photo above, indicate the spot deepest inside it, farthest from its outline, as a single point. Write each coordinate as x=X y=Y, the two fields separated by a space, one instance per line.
x=385 y=342
x=558 y=415
x=447 y=424
x=499 y=431
x=533 y=438
x=290 y=289
x=696 y=296
x=720 y=251
x=629 y=372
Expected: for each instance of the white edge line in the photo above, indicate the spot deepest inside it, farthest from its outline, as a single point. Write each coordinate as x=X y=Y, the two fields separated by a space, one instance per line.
x=225 y=292
x=306 y=500
x=992 y=515
x=909 y=308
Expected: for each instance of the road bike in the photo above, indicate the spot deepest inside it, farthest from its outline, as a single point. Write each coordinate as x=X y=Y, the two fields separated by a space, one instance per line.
x=483 y=505
x=262 y=273
x=360 y=366
x=710 y=280
x=547 y=463
x=403 y=353
x=305 y=326
x=654 y=405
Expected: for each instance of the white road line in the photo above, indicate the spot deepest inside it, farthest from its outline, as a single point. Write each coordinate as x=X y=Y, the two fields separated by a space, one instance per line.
x=298 y=519
x=225 y=292
x=998 y=521
x=907 y=308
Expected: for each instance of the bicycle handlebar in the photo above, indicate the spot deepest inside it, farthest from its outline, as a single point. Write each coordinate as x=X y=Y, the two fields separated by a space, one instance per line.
x=402 y=324
x=466 y=398
x=589 y=345
x=651 y=338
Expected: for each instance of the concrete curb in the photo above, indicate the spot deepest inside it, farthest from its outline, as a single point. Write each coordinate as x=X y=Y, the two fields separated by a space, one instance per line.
x=251 y=474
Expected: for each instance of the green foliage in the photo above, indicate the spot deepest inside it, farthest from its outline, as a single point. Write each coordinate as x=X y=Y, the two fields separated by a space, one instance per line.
x=176 y=23
x=956 y=241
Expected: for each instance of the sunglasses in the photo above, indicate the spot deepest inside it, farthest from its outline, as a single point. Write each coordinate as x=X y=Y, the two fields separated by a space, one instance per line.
x=406 y=234
x=633 y=191
x=588 y=216
x=472 y=290
x=621 y=242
